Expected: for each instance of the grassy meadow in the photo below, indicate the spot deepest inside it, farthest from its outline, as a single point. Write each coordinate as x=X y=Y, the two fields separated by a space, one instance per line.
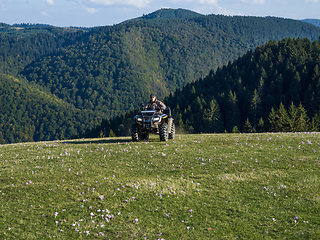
x=210 y=186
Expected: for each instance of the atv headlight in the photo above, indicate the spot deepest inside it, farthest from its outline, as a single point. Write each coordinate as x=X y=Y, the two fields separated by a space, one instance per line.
x=139 y=119
x=156 y=119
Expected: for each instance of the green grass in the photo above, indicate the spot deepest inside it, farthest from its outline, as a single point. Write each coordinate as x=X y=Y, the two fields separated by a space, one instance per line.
x=217 y=186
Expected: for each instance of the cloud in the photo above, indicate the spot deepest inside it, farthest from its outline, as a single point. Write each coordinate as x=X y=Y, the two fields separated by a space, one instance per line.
x=210 y=2
x=311 y=1
x=224 y=11
x=256 y=2
x=134 y=3
x=44 y=14
x=203 y=2
x=81 y=5
x=50 y=2
x=90 y=10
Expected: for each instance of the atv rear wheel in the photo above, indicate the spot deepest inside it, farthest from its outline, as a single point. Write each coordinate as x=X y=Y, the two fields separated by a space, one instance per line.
x=135 y=133
x=172 y=135
x=164 y=132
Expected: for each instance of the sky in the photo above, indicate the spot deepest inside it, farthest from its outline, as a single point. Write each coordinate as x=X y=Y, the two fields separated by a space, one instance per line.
x=90 y=13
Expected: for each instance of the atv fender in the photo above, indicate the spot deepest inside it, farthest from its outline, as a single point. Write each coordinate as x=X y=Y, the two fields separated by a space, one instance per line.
x=170 y=124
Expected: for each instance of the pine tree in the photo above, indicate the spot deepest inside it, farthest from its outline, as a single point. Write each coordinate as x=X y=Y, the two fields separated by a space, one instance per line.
x=235 y=129
x=255 y=107
x=293 y=117
x=309 y=100
x=212 y=117
x=111 y=133
x=232 y=112
x=295 y=89
x=282 y=119
x=303 y=120
x=179 y=122
x=188 y=127
x=247 y=128
x=315 y=123
x=316 y=81
x=272 y=121
x=193 y=91
x=261 y=127
x=279 y=87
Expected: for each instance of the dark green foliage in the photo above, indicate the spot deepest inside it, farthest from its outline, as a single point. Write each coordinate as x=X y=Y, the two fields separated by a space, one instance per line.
x=255 y=107
x=248 y=127
x=261 y=126
x=235 y=130
x=272 y=121
x=279 y=120
x=28 y=114
x=212 y=118
x=232 y=112
x=302 y=123
x=293 y=116
x=111 y=133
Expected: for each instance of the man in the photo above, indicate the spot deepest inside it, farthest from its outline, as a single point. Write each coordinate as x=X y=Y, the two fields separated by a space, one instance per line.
x=155 y=104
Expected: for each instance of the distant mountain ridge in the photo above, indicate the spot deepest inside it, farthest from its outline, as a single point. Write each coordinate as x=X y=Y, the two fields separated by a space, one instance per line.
x=315 y=22
x=167 y=13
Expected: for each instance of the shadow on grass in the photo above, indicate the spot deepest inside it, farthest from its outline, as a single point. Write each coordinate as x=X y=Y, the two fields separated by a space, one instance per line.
x=106 y=140
x=97 y=141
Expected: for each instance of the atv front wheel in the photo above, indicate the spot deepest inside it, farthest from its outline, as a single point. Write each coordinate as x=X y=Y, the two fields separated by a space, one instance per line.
x=144 y=136
x=135 y=133
x=164 y=132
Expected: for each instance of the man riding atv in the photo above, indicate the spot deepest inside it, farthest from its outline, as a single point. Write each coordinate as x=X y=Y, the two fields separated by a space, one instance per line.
x=155 y=104
x=155 y=118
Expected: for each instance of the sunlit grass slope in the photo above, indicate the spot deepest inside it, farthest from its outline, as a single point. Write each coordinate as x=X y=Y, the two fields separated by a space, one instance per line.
x=218 y=186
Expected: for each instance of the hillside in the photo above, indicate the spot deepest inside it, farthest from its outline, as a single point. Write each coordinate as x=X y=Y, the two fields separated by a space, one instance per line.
x=28 y=114
x=274 y=88
x=22 y=44
x=203 y=186
x=108 y=70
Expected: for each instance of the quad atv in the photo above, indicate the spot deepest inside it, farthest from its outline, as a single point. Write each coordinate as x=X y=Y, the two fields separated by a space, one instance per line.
x=152 y=121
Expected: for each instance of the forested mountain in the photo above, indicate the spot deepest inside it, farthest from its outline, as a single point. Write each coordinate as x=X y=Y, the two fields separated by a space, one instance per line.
x=112 y=69
x=167 y=13
x=276 y=87
x=21 y=44
x=106 y=71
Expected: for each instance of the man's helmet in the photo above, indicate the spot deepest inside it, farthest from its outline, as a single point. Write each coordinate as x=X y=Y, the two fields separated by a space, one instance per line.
x=152 y=95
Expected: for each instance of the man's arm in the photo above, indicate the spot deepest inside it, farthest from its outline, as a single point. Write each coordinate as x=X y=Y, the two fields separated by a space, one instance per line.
x=146 y=106
x=162 y=105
